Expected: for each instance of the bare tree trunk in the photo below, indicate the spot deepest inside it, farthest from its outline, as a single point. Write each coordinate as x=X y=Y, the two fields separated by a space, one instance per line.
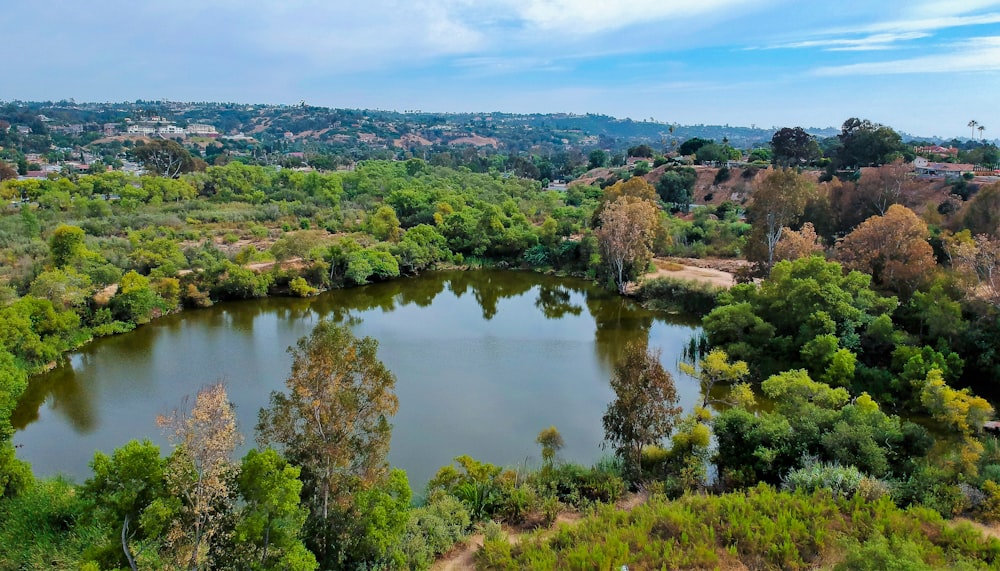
x=772 y=237
x=267 y=540
x=128 y=554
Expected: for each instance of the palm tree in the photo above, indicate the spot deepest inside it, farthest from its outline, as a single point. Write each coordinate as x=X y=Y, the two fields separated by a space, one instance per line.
x=981 y=129
x=972 y=125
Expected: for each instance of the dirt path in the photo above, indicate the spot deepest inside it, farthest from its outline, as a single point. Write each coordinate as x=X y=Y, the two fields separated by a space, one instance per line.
x=291 y=263
x=461 y=558
x=679 y=269
x=464 y=557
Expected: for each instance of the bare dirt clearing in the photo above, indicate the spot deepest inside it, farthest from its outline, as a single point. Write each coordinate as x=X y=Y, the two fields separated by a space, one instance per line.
x=719 y=273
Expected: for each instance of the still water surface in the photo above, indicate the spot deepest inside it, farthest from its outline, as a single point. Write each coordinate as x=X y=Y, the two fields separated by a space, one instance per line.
x=484 y=360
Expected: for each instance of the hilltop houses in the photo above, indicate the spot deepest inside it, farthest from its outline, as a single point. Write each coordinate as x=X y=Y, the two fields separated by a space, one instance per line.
x=159 y=126
x=937 y=150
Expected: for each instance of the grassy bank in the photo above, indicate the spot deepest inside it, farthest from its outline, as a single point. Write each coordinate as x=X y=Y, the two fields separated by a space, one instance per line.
x=757 y=529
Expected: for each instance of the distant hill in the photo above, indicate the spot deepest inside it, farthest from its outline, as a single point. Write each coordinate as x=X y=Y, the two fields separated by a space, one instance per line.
x=322 y=125
x=59 y=130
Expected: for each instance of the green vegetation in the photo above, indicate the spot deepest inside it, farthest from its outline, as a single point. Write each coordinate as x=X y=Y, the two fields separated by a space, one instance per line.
x=760 y=529
x=669 y=294
x=844 y=374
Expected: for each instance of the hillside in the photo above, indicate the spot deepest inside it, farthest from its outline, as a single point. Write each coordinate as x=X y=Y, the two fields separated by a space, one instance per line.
x=304 y=124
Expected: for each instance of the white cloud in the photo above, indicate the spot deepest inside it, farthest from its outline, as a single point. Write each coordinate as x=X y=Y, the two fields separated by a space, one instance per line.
x=588 y=17
x=871 y=42
x=930 y=17
x=975 y=55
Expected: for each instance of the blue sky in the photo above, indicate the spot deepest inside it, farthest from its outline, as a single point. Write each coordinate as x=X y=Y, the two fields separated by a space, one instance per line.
x=924 y=67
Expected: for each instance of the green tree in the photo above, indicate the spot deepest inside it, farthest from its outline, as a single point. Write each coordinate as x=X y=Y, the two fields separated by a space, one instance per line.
x=122 y=487
x=712 y=153
x=794 y=147
x=13 y=382
x=135 y=300
x=812 y=419
x=864 y=143
x=334 y=423
x=551 y=442
x=716 y=369
x=769 y=324
x=691 y=146
x=645 y=407
x=164 y=157
x=420 y=248
x=382 y=515
x=37 y=333
x=384 y=225
x=65 y=244
x=14 y=474
x=267 y=531
x=598 y=158
x=676 y=186
x=238 y=282
x=626 y=236
x=66 y=289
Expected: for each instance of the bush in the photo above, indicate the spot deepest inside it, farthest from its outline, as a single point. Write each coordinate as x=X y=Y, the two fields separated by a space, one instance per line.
x=112 y=328
x=842 y=481
x=45 y=528
x=578 y=486
x=517 y=503
x=537 y=255
x=722 y=176
x=668 y=294
x=433 y=530
x=301 y=288
x=880 y=554
x=989 y=509
x=931 y=487
x=241 y=283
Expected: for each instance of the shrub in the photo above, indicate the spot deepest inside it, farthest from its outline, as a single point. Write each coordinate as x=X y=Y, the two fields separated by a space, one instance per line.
x=578 y=486
x=301 y=288
x=722 y=176
x=669 y=294
x=843 y=481
x=45 y=528
x=537 y=255
x=517 y=503
x=433 y=529
x=112 y=328
x=989 y=509
x=879 y=554
x=756 y=529
x=873 y=489
x=931 y=487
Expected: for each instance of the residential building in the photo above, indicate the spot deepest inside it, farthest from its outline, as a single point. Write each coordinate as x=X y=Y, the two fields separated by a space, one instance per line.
x=937 y=150
x=947 y=170
x=202 y=130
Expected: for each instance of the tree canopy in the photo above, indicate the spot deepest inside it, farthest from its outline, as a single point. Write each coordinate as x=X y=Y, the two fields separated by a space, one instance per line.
x=334 y=423
x=794 y=147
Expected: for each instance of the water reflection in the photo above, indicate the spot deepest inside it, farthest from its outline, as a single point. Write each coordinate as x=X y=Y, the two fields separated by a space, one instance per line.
x=66 y=396
x=555 y=302
x=484 y=360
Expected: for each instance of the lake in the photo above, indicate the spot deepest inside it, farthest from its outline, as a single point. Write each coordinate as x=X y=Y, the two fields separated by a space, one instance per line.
x=484 y=360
